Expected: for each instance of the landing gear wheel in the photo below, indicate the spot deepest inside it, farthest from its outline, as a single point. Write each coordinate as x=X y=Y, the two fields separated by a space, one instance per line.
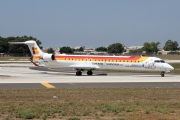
x=78 y=73
x=162 y=74
x=89 y=72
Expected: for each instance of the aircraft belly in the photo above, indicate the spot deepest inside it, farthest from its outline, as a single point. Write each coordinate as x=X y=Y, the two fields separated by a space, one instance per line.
x=116 y=66
x=58 y=64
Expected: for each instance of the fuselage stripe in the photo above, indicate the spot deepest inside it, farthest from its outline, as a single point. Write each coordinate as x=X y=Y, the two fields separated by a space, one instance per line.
x=97 y=58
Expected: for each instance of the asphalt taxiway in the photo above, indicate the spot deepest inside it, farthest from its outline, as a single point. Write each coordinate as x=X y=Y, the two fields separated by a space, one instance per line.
x=26 y=76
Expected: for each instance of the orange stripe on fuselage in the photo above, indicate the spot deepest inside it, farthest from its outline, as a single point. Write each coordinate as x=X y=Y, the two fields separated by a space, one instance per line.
x=97 y=58
x=101 y=58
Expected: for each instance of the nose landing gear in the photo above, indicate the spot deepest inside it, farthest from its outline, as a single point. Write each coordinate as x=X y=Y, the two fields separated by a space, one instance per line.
x=162 y=74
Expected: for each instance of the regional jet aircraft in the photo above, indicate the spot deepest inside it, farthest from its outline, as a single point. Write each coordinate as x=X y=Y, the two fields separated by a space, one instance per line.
x=92 y=62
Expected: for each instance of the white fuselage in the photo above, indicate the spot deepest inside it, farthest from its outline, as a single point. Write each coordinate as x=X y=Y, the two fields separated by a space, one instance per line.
x=150 y=64
x=89 y=63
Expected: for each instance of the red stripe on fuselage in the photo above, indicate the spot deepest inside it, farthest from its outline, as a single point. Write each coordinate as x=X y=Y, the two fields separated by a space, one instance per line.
x=99 y=57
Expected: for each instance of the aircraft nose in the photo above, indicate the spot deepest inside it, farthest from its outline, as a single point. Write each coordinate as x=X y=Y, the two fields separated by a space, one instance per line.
x=170 y=67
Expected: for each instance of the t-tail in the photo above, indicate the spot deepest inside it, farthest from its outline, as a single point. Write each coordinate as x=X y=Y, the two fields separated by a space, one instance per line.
x=37 y=54
x=33 y=47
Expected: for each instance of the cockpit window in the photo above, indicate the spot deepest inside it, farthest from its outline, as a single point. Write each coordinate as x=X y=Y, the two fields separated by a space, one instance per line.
x=159 y=61
x=162 y=61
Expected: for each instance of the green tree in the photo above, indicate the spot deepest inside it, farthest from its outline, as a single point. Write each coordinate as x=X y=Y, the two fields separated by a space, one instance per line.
x=80 y=49
x=151 y=48
x=17 y=50
x=4 y=47
x=136 y=52
x=154 y=46
x=66 y=49
x=147 y=47
x=175 y=45
x=115 y=48
x=101 y=49
x=170 y=45
x=50 y=50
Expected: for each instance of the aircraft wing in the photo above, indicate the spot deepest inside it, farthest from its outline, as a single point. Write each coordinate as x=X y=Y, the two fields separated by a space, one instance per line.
x=84 y=67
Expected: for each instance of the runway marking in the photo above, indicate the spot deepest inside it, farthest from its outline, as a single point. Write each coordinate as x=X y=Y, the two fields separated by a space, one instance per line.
x=47 y=85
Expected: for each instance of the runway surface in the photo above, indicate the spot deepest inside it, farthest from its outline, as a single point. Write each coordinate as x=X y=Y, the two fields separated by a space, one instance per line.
x=26 y=76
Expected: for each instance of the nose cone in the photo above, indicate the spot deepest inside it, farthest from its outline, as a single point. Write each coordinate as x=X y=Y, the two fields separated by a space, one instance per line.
x=169 y=67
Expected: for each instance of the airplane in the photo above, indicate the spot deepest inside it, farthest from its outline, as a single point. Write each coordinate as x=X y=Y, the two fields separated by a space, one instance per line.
x=92 y=62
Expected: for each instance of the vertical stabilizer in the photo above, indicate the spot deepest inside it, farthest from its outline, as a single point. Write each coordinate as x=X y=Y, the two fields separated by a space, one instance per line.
x=33 y=47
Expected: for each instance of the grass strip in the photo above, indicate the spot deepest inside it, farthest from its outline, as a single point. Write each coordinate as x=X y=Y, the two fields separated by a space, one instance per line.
x=91 y=103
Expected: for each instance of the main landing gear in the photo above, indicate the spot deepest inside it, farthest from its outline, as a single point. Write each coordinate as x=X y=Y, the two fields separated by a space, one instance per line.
x=89 y=72
x=162 y=74
x=79 y=73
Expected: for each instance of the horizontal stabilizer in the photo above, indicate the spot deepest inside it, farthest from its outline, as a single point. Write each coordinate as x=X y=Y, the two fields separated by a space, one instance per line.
x=16 y=42
x=30 y=42
x=33 y=47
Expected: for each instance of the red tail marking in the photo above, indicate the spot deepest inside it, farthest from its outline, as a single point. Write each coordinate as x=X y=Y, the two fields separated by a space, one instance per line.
x=34 y=63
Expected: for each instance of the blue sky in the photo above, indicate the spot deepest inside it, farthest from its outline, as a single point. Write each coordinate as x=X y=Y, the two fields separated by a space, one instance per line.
x=92 y=23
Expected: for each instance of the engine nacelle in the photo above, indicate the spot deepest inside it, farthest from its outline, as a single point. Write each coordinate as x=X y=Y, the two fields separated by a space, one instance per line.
x=48 y=57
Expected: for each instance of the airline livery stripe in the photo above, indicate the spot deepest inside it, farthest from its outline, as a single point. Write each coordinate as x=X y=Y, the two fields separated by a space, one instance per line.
x=94 y=58
x=98 y=58
x=101 y=57
x=47 y=85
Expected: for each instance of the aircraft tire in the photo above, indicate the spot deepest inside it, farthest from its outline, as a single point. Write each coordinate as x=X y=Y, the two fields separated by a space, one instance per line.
x=162 y=74
x=89 y=72
x=78 y=73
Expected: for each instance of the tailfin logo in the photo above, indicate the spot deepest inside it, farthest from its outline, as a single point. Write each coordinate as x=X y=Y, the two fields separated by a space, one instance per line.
x=35 y=50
